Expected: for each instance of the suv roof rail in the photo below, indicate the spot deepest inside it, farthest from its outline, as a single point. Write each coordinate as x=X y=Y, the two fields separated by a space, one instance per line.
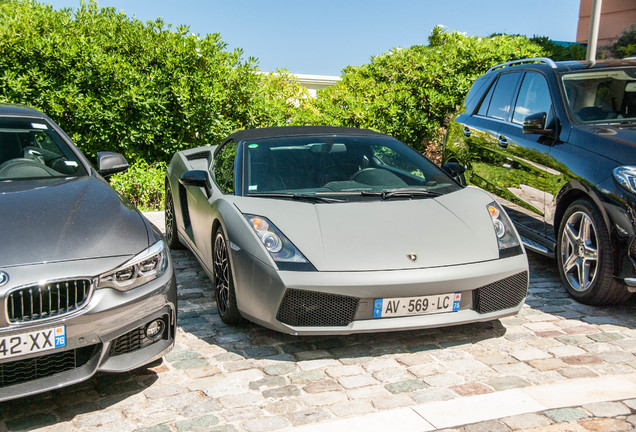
x=544 y=60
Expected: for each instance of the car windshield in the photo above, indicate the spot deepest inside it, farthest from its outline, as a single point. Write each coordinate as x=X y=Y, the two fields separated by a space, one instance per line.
x=341 y=168
x=602 y=96
x=30 y=148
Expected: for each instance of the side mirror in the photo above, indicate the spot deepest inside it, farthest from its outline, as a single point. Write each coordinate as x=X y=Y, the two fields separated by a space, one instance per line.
x=456 y=171
x=535 y=124
x=109 y=163
x=197 y=178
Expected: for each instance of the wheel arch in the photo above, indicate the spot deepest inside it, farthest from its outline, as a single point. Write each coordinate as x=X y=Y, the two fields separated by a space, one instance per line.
x=571 y=193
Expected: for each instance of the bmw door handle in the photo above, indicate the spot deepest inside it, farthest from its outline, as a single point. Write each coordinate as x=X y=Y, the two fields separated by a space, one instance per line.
x=503 y=142
x=467 y=132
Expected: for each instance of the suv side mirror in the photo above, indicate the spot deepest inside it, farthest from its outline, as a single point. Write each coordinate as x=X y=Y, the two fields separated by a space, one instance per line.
x=109 y=163
x=535 y=124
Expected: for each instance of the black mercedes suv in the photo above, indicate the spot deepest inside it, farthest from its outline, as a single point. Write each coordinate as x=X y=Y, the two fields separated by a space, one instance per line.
x=556 y=143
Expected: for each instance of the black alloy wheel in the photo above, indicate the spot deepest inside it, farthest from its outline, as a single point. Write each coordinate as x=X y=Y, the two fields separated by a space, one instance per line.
x=172 y=238
x=585 y=257
x=223 y=282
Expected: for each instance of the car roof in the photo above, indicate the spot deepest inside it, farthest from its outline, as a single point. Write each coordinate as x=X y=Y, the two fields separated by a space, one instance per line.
x=542 y=63
x=284 y=131
x=7 y=109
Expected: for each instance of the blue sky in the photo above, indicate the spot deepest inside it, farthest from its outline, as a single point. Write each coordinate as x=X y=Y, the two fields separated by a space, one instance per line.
x=322 y=37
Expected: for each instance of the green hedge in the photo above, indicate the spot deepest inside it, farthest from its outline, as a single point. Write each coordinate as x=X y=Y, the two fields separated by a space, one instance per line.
x=142 y=89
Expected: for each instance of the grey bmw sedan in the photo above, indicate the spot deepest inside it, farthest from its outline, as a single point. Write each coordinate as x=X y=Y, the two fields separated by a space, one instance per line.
x=86 y=282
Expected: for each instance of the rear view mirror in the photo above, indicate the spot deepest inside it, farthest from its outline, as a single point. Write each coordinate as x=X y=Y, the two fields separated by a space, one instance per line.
x=109 y=163
x=198 y=178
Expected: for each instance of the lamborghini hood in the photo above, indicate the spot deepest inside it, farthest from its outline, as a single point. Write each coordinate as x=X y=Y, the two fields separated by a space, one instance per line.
x=385 y=235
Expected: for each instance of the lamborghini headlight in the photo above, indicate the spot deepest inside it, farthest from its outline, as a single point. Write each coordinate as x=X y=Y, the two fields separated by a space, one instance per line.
x=279 y=247
x=146 y=266
x=506 y=236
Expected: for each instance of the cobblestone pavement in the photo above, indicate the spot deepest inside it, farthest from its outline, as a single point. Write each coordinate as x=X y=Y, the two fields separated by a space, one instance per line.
x=248 y=378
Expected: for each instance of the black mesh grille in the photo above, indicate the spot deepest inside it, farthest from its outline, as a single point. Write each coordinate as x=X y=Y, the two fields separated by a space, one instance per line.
x=311 y=309
x=21 y=371
x=502 y=294
x=47 y=300
x=136 y=339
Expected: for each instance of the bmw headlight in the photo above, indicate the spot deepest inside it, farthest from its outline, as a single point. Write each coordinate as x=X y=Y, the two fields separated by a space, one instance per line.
x=506 y=237
x=626 y=177
x=284 y=253
x=146 y=266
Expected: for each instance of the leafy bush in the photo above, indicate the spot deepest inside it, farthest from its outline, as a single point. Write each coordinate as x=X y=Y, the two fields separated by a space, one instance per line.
x=142 y=184
x=410 y=93
x=624 y=45
x=142 y=89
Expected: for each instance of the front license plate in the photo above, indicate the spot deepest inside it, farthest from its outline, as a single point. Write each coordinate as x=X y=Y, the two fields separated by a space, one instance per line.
x=32 y=342
x=405 y=306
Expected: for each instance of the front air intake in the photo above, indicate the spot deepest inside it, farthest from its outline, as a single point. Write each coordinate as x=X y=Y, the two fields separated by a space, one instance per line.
x=301 y=308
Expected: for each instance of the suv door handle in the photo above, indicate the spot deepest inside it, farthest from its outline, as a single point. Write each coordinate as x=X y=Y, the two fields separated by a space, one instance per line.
x=503 y=142
x=467 y=132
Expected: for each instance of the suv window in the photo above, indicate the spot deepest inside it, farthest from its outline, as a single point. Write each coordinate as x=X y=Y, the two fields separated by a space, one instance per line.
x=534 y=97
x=498 y=101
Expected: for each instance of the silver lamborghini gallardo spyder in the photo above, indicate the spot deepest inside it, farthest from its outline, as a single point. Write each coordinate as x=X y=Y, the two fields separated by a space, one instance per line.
x=323 y=230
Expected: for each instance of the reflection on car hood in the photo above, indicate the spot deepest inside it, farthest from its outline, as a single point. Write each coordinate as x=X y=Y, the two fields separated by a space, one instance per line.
x=59 y=220
x=622 y=147
x=378 y=235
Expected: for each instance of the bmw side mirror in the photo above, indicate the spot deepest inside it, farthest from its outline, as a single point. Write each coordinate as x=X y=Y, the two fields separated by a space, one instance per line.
x=109 y=163
x=535 y=124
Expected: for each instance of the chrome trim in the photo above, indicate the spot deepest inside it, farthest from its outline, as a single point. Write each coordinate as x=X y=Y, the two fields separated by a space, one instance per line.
x=631 y=284
x=91 y=289
x=544 y=60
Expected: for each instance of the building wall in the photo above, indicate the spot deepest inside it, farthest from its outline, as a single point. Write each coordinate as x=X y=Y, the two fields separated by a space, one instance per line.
x=616 y=16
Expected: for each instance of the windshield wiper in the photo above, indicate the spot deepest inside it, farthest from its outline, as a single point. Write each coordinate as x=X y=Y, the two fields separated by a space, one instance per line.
x=297 y=196
x=408 y=193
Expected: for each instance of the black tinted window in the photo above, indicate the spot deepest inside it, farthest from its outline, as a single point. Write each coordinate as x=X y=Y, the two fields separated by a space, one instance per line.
x=224 y=167
x=534 y=97
x=499 y=105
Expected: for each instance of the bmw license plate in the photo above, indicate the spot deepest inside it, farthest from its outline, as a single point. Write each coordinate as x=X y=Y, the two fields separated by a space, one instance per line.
x=405 y=306
x=32 y=342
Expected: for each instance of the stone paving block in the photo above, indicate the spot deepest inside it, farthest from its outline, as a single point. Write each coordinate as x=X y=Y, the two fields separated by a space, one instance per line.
x=367 y=392
x=307 y=376
x=443 y=380
x=321 y=386
x=266 y=424
x=323 y=399
x=606 y=424
x=407 y=386
x=241 y=400
x=527 y=421
x=313 y=415
x=566 y=414
x=282 y=392
x=242 y=413
x=427 y=369
x=397 y=401
x=156 y=428
x=267 y=382
x=392 y=375
x=381 y=364
x=507 y=382
x=283 y=407
x=352 y=408
x=433 y=394
x=530 y=354
x=487 y=426
x=577 y=372
x=471 y=389
x=197 y=424
x=356 y=381
x=566 y=351
x=607 y=409
x=308 y=365
x=157 y=392
x=31 y=422
x=340 y=371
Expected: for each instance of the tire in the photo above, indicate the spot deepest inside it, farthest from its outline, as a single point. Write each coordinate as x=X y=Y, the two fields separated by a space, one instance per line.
x=223 y=282
x=585 y=257
x=172 y=238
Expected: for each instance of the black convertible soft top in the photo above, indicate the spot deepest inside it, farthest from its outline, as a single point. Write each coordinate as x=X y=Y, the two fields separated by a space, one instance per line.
x=281 y=131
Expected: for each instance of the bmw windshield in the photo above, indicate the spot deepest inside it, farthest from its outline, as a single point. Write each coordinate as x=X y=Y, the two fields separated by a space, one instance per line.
x=30 y=149
x=339 y=168
x=602 y=95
